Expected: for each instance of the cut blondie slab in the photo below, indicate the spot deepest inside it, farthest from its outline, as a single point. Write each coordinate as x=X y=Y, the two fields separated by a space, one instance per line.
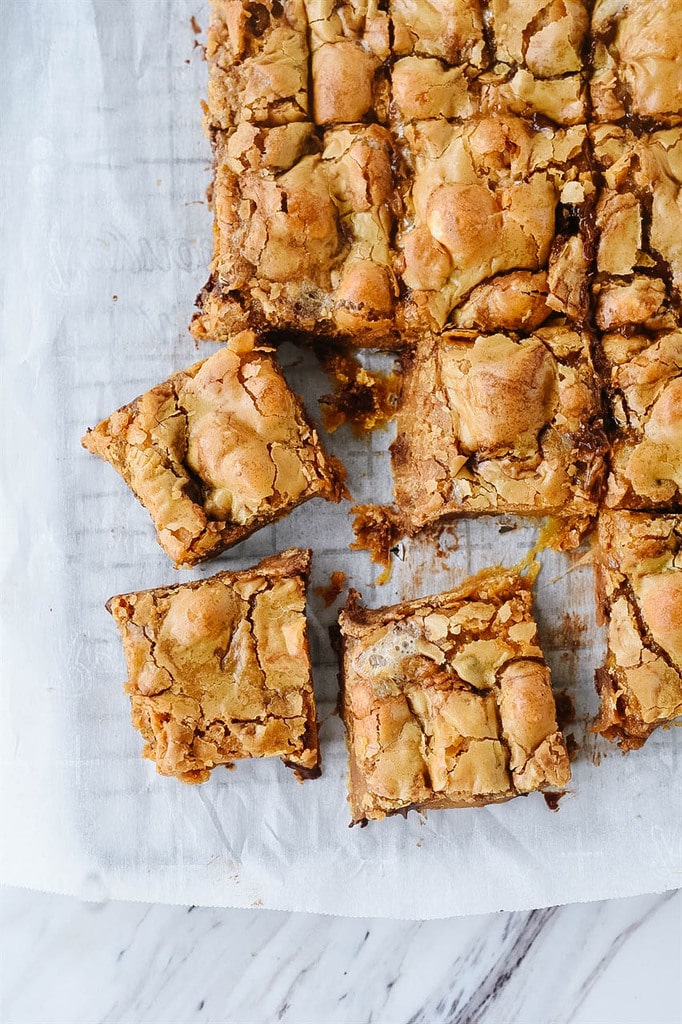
x=219 y=669
x=447 y=700
x=638 y=272
x=638 y=562
x=539 y=54
x=497 y=425
x=494 y=196
x=302 y=233
x=644 y=386
x=258 y=63
x=636 y=59
x=217 y=451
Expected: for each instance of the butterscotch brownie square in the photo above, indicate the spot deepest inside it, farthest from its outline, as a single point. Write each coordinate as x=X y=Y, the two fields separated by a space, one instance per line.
x=494 y=424
x=219 y=670
x=274 y=63
x=217 y=451
x=303 y=227
x=447 y=700
x=539 y=59
x=638 y=272
x=639 y=595
x=644 y=386
x=494 y=201
x=349 y=45
x=636 y=58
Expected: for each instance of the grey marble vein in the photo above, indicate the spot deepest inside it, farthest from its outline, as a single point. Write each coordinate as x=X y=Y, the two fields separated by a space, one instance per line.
x=65 y=962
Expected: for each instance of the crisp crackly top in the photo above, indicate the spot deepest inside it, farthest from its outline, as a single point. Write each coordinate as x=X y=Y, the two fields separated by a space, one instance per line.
x=480 y=111
x=639 y=224
x=483 y=201
x=219 y=669
x=640 y=575
x=646 y=399
x=499 y=424
x=447 y=700
x=217 y=450
x=637 y=60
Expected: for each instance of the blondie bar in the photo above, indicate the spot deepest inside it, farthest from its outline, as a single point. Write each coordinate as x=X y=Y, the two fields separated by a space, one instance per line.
x=219 y=669
x=644 y=387
x=637 y=72
x=217 y=451
x=639 y=594
x=638 y=271
x=494 y=424
x=447 y=700
x=494 y=200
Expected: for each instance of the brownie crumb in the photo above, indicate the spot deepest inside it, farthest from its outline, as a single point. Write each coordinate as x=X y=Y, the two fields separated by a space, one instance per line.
x=572 y=746
x=552 y=800
x=329 y=594
x=377 y=529
x=365 y=399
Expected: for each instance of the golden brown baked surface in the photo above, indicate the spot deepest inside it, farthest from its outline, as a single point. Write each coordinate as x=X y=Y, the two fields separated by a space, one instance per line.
x=338 y=127
x=217 y=451
x=639 y=593
x=219 y=669
x=484 y=201
x=645 y=395
x=388 y=168
x=496 y=424
x=447 y=700
x=638 y=267
x=637 y=61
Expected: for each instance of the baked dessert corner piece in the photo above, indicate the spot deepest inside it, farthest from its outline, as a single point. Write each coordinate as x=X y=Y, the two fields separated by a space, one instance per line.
x=219 y=669
x=217 y=451
x=639 y=594
x=447 y=700
x=497 y=424
x=302 y=233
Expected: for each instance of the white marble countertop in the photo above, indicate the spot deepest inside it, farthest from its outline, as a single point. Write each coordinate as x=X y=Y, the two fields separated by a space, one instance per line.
x=67 y=962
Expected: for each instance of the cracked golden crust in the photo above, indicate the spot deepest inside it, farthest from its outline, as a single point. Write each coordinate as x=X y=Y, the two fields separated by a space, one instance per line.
x=637 y=61
x=539 y=65
x=638 y=272
x=645 y=392
x=258 y=60
x=300 y=93
x=447 y=700
x=303 y=232
x=494 y=424
x=217 y=451
x=219 y=669
x=484 y=200
x=638 y=561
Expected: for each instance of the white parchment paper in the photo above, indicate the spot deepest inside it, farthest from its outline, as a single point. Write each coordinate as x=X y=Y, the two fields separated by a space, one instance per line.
x=105 y=242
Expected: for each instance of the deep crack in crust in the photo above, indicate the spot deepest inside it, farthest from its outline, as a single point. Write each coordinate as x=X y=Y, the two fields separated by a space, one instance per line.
x=326 y=118
x=217 y=451
x=638 y=561
x=497 y=424
x=219 y=669
x=447 y=700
